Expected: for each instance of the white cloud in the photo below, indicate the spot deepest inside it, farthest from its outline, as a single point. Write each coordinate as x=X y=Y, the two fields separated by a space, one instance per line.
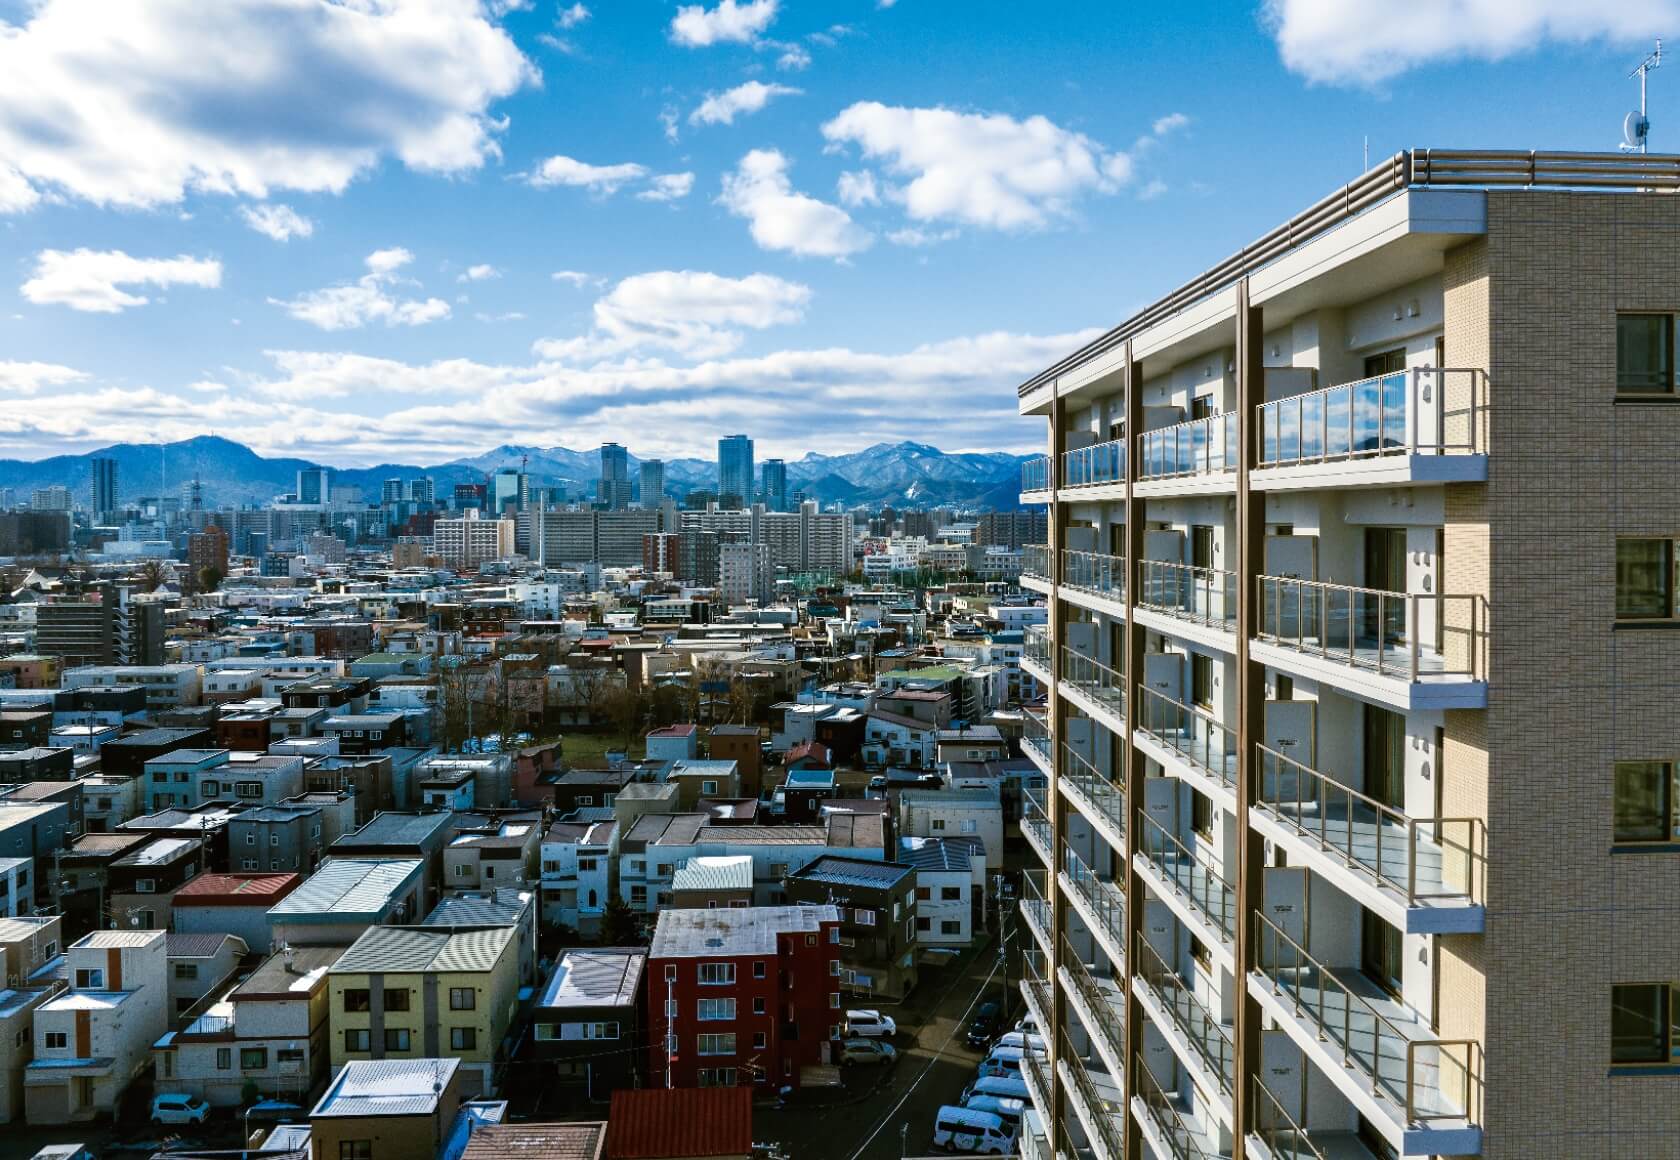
x=668 y=120
x=280 y=222
x=794 y=58
x=335 y=374
x=1171 y=123
x=573 y=277
x=138 y=103
x=91 y=280
x=690 y=312
x=722 y=108
x=573 y=16
x=1337 y=42
x=355 y=304
x=503 y=7
x=981 y=169
x=858 y=188
x=914 y=236
x=601 y=179
x=668 y=187
x=27 y=378
x=730 y=22
x=479 y=273
x=509 y=316
x=782 y=219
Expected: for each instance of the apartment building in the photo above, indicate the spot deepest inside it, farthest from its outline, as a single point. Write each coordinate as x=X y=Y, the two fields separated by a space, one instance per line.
x=466 y=543
x=1361 y=766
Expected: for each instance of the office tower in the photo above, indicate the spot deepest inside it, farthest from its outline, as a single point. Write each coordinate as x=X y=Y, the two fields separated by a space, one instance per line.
x=508 y=489
x=775 y=485
x=653 y=482
x=314 y=485
x=256 y=544
x=391 y=492
x=103 y=484
x=470 y=495
x=422 y=489
x=8 y=498
x=735 y=471
x=1359 y=748
x=613 y=490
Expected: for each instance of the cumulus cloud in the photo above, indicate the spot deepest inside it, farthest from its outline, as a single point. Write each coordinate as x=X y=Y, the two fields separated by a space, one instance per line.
x=352 y=305
x=1336 y=42
x=691 y=312
x=572 y=277
x=697 y=26
x=858 y=188
x=479 y=273
x=280 y=222
x=573 y=16
x=668 y=187
x=601 y=179
x=722 y=108
x=781 y=218
x=306 y=374
x=138 y=103
x=793 y=58
x=982 y=169
x=92 y=280
x=27 y=378
x=916 y=237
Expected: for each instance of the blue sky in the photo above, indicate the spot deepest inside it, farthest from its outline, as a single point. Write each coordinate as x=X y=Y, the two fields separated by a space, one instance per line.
x=371 y=230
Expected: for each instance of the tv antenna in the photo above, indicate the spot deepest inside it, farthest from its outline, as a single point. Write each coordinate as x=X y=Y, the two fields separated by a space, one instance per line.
x=1636 y=126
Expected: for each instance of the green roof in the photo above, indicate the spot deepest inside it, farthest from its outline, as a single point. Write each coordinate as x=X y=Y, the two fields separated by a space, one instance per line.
x=931 y=673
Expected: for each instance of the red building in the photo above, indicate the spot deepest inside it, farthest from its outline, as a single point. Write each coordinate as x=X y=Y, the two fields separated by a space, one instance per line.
x=743 y=996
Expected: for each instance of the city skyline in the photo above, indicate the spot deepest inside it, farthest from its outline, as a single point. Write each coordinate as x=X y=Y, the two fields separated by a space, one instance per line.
x=764 y=213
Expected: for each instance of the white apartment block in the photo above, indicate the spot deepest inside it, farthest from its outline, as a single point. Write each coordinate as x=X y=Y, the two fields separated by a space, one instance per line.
x=466 y=543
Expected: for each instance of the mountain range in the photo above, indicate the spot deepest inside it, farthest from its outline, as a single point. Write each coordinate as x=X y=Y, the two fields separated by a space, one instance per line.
x=904 y=474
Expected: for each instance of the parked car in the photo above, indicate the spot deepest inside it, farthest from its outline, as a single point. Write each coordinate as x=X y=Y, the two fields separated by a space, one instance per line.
x=879 y=781
x=987 y=1019
x=867 y=1051
x=1023 y=1039
x=965 y=1130
x=870 y=1024
x=1012 y=1087
x=176 y=1108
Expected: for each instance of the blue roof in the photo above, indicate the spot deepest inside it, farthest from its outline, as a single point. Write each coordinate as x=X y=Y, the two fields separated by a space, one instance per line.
x=810 y=778
x=838 y=871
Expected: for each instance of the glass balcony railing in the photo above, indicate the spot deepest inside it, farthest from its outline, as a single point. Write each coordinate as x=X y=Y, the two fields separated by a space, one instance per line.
x=1100 y=1092
x=1102 y=798
x=1212 y=1040
x=1169 y=1113
x=1192 y=872
x=1410 y=635
x=1103 y=994
x=1423 y=859
x=1035 y=825
x=1035 y=561
x=1035 y=735
x=1036 y=908
x=1197 y=447
x=1191 y=733
x=1037 y=646
x=1096 y=680
x=1285 y=1139
x=1421 y=411
x=1103 y=895
x=1202 y=595
x=1035 y=986
x=1095 y=572
x=1097 y=464
x=1035 y=473
x=1430 y=1079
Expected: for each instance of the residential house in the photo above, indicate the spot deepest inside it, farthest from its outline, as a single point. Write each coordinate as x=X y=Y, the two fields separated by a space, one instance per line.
x=674 y=743
x=681 y=1124
x=286 y=837
x=951 y=888
x=345 y=897
x=394 y=1109
x=18 y=1005
x=954 y=814
x=175 y=779
x=503 y=853
x=399 y=835
x=704 y=882
x=237 y=904
x=17 y=887
x=141 y=884
x=108 y=802
x=742 y=745
x=577 y=864
x=127 y=756
x=703 y=779
x=498 y=906
x=877 y=905
x=586 y=1022
x=199 y=965
x=894 y=739
x=579 y=1141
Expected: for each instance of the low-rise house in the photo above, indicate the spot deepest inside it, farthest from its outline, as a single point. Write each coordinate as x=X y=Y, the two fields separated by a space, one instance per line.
x=285 y=837
x=586 y=1021
x=703 y=779
x=237 y=904
x=199 y=965
x=412 y=992
x=801 y=795
x=345 y=897
x=27 y=945
x=971 y=743
x=740 y=744
x=38 y=763
x=950 y=888
x=108 y=802
x=18 y=1005
x=366 y=732
x=579 y=1141
x=674 y=743
x=503 y=853
x=399 y=835
x=576 y=868
x=175 y=778
x=127 y=756
x=894 y=739
x=141 y=885
x=501 y=906
x=93 y=1039
x=387 y=1110
x=34 y=829
x=254 y=779
x=70 y=793
x=17 y=887
x=954 y=814
x=702 y=883
x=877 y=905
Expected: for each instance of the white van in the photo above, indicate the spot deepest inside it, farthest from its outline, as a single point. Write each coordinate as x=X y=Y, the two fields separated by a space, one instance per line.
x=1023 y=1039
x=1003 y=1087
x=977 y=1133
x=1006 y=1109
x=1005 y=1061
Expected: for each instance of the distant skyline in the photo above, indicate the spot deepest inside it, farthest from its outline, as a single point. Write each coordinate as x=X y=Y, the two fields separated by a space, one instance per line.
x=414 y=229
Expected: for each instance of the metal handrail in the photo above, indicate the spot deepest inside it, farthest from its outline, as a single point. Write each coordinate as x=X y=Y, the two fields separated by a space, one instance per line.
x=1035 y=473
x=1035 y=561
x=1036 y=907
x=1111 y=1022
x=1361 y=627
x=1095 y=464
x=1095 y=679
x=1169 y=1118
x=1201 y=595
x=1215 y=1045
x=1420 y=167
x=1112 y=1138
x=1105 y=898
x=1218 y=900
x=1283 y=781
x=1204 y=446
x=1180 y=727
x=1037 y=645
x=1277 y=953
x=1107 y=798
x=1267 y=1107
x=1098 y=572
x=1402 y=412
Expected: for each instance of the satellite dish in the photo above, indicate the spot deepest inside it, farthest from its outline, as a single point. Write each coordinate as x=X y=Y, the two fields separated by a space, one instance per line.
x=1635 y=127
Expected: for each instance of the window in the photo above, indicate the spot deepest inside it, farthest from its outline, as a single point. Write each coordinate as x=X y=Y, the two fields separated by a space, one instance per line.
x=638 y=896
x=717 y=974
x=57 y=1039
x=396 y=998
x=224 y=1059
x=950 y=894
x=186 y=970
x=758 y=1005
x=670 y=971
x=358 y=999
x=864 y=917
x=587 y=865
x=358 y=1039
x=970 y=826
x=462 y=998
x=396 y=1039
x=274 y=839
x=711 y=1009
x=924 y=924
x=463 y=1038
x=938 y=823
x=249 y=863
x=1644 y=579
x=716 y=1076
x=834 y=998
x=1201 y=814
x=758 y=969
x=90 y=979
x=1645 y=802
x=355 y=1150
x=761 y=1040
x=250 y=839
x=950 y=926
x=1644 y=354
x=253 y=1058
x=1201 y=955
x=1642 y=1023
x=715 y=1043
x=145 y=886
x=708 y=787
x=834 y=967
x=1201 y=681
x=924 y=894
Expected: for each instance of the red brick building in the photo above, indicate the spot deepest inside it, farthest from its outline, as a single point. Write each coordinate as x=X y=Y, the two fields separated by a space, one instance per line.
x=743 y=996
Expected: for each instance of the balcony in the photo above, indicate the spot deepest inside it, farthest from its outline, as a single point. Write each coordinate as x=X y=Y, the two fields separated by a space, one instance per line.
x=1098 y=1098
x=1036 y=910
x=1422 y=875
x=1036 y=652
x=1423 y=1092
x=1035 y=826
x=1411 y=650
x=1035 y=1141
x=1191 y=878
x=1035 y=565
x=1035 y=740
x=1182 y=594
x=1095 y=580
x=1100 y=902
x=1275 y=1135
x=1180 y=737
x=1102 y=801
x=1096 y=465
x=1185 y=1022
x=1034 y=988
x=1196 y=456
x=1423 y=425
x=1035 y=474
x=1094 y=687
x=1100 y=1000
x=1165 y=1118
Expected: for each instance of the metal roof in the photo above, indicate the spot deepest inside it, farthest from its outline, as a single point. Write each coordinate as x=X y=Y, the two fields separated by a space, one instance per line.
x=724 y=933
x=236 y=889
x=481 y=908
x=940 y=853
x=392 y=829
x=733 y=872
x=583 y=1141
x=201 y=946
x=386 y=1087
x=385 y=949
x=349 y=888
x=840 y=871
x=587 y=977
x=652 y=1123
x=118 y=938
